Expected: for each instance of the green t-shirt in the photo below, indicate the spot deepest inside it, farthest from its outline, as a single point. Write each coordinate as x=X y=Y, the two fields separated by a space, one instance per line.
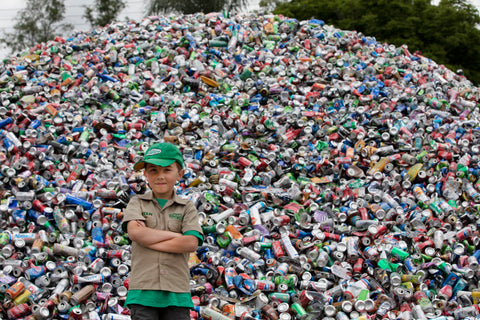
x=160 y=298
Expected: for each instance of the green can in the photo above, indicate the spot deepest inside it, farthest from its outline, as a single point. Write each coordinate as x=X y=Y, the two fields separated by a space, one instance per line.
x=421 y=155
x=399 y=253
x=84 y=136
x=384 y=264
x=209 y=229
x=290 y=280
x=246 y=74
x=426 y=257
x=417 y=258
x=218 y=43
x=298 y=310
x=229 y=147
x=279 y=296
x=4 y=239
x=252 y=157
x=364 y=294
x=262 y=246
x=223 y=240
x=434 y=206
x=395 y=267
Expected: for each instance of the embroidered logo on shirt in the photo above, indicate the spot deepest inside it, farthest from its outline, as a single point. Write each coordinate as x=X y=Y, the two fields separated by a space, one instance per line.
x=147 y=214
x=176 y=216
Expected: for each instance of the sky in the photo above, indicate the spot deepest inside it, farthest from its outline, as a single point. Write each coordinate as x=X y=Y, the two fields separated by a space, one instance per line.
x=75 y=10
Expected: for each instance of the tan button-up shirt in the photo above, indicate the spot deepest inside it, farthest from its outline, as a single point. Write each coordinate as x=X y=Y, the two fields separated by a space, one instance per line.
x=151 y=269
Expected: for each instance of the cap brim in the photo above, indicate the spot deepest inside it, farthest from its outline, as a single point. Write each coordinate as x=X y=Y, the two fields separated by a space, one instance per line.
x=158 y=162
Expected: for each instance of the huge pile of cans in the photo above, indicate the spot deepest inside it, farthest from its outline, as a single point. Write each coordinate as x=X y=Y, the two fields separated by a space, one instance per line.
x=335 y=176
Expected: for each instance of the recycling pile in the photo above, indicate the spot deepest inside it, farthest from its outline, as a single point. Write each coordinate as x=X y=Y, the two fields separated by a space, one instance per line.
x=334 y=176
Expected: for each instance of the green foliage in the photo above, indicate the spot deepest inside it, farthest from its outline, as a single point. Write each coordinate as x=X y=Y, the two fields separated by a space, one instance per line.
x=446 y=32
x=106 y=12
x=193 y=6
x=39 y=22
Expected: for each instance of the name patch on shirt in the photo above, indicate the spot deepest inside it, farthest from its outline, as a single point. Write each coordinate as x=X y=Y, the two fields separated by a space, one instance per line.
x=176 y=216
x=147 y=214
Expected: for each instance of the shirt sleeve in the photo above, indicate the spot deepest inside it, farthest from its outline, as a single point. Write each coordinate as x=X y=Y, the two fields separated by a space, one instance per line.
x=132 y=212
x=196 y=234
x=190 y=219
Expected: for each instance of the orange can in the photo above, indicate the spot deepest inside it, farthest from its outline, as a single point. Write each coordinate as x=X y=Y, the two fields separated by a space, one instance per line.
x=229 y=310
x=15 y=290
x=233 y=231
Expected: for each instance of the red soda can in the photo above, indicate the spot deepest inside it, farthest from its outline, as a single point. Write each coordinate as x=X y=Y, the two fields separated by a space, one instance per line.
x=265 y=285
x=464 y=233
x=277 y=249
x=332 y=236
x=358 y=266
x=445 y=155
x=196 y=300
x=305 y=298
x=381 y=230
x=49 y=304
x=121 y=254
x=221 y=272
x=18 y=311
x=75 y=314
x=363 y=213
x=281 y=220
x=244 y=162
x=423 y=245
x=39 y=206
x=445 y=292
x=247 y=240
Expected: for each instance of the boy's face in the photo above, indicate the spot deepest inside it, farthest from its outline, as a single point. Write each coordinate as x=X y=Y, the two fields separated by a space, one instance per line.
x=162 y=179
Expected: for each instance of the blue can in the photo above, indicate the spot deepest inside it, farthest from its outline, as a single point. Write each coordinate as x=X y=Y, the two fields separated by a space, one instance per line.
x=451 y=280
x=476 y=254
x=35 y=272
x=459 y=286
x=35 y=124
x=97 y=237
x=5 y=121
x=8 y=144
x=230 y=273
x=78 y=201
x=410 y=265
x=34 y=215
x=19 y=216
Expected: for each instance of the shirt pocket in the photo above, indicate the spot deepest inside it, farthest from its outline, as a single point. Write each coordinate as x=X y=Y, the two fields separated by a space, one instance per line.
x=175 y=225
x=150 y=221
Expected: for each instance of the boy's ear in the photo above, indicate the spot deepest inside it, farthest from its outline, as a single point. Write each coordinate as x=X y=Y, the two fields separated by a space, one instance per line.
x=181 y=173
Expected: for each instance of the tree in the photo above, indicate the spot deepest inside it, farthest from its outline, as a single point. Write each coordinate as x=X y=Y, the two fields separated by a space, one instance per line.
x=107 y=11
x=445 y=33
x=193 y=6
x=40 y=21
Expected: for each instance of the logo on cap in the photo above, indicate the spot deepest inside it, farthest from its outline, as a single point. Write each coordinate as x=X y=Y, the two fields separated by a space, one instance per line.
x=154 y=151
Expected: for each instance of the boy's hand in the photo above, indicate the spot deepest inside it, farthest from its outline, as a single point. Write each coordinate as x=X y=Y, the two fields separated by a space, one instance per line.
x=140 y=223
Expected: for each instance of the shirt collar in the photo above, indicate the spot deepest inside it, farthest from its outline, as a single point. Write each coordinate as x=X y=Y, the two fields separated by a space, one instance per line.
x=149 y=196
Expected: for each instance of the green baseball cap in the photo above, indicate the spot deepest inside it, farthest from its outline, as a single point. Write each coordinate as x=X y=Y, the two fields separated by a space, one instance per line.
x=160 y=154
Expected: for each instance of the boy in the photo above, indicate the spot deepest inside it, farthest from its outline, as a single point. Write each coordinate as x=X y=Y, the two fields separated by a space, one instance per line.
x=164 y=229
